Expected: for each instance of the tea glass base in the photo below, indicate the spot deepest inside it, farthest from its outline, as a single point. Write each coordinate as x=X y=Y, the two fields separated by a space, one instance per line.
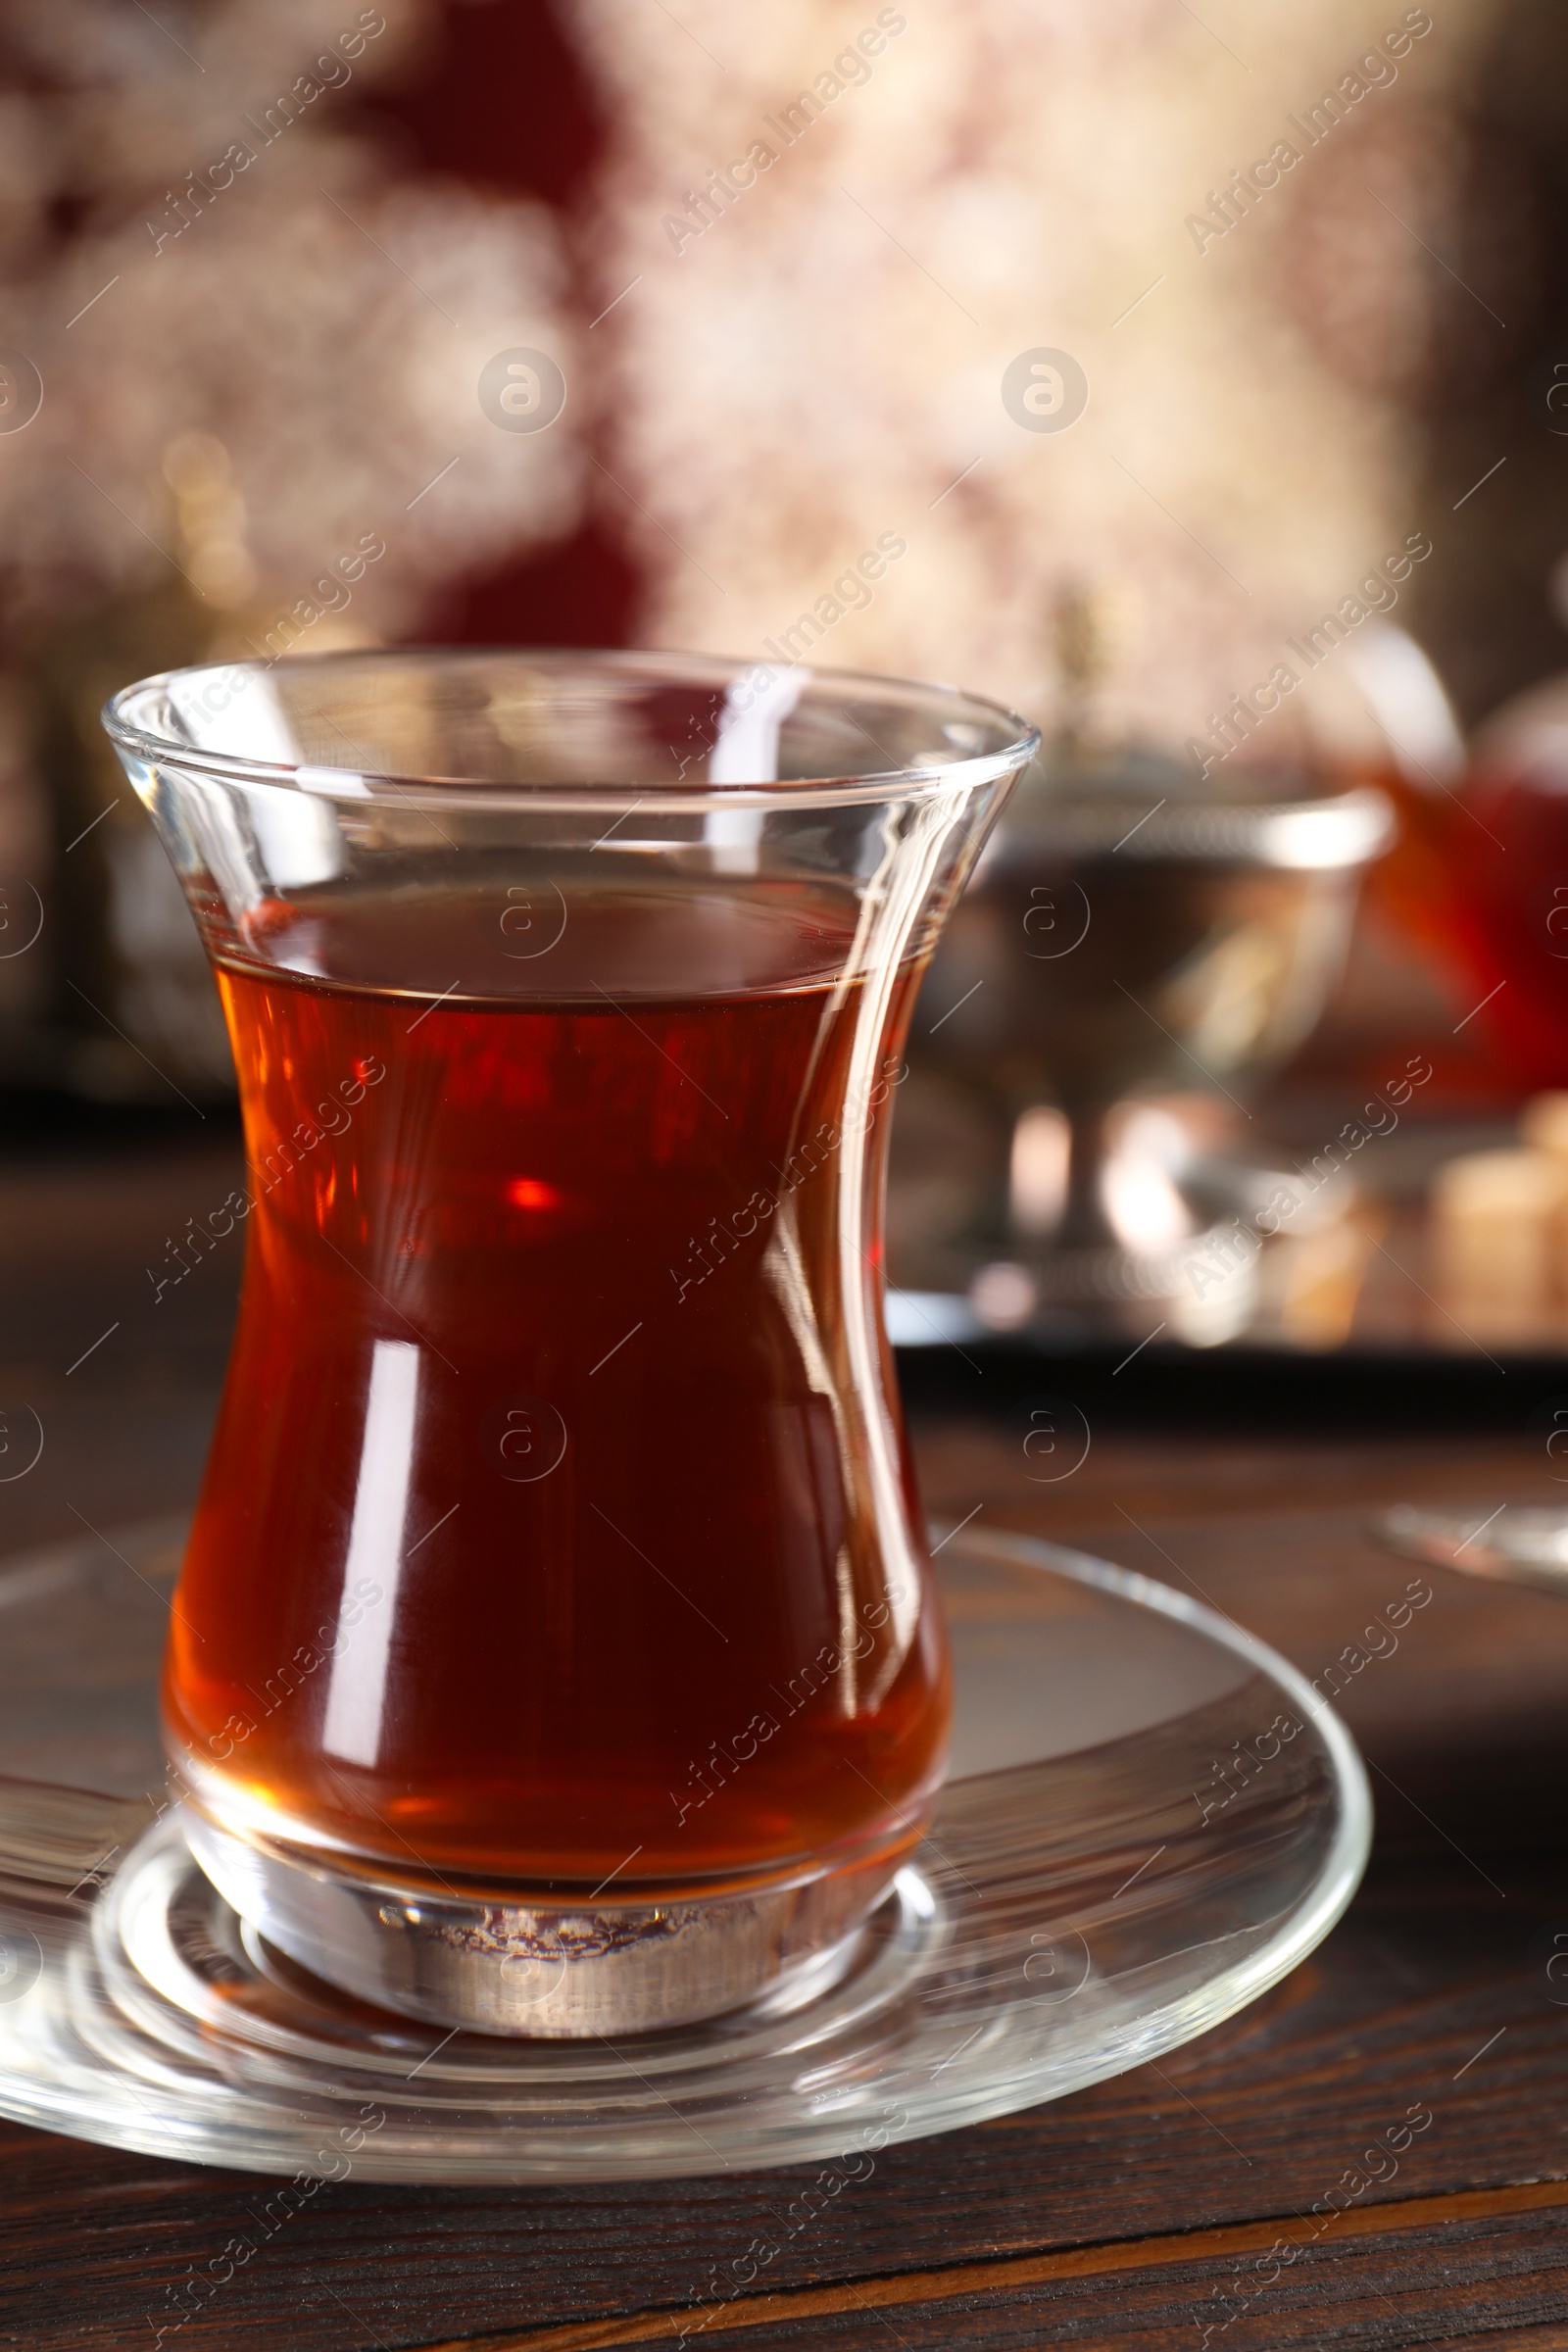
x=555 y=1970
x=1098 y=1886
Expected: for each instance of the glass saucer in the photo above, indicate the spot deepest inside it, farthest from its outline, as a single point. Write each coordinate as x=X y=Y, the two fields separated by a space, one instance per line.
x=1152 y=1818
x=1513 y=1543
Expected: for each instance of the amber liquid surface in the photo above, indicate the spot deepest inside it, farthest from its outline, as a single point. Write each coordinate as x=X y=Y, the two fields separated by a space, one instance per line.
x=542 y=1536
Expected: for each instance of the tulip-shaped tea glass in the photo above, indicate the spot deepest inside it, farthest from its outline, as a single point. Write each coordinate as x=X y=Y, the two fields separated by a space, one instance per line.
x=555 y=1650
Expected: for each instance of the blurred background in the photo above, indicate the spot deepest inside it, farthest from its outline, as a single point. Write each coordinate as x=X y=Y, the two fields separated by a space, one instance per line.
x=1198 y=384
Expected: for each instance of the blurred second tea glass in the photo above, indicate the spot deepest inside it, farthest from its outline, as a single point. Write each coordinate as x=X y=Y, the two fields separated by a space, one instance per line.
x=1137 y=925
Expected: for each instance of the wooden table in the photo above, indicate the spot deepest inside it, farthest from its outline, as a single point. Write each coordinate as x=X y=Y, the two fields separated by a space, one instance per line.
x=1143 y=2212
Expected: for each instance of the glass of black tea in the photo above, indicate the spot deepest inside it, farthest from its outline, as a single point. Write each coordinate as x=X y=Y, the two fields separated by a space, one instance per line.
x=556 y=1650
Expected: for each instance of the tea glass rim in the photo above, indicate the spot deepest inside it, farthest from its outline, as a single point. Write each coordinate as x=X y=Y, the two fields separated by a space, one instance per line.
x=125 y=711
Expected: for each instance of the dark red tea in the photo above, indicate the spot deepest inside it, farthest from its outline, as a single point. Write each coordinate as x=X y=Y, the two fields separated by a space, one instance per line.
x=536 y=1544
x=1513 y=859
